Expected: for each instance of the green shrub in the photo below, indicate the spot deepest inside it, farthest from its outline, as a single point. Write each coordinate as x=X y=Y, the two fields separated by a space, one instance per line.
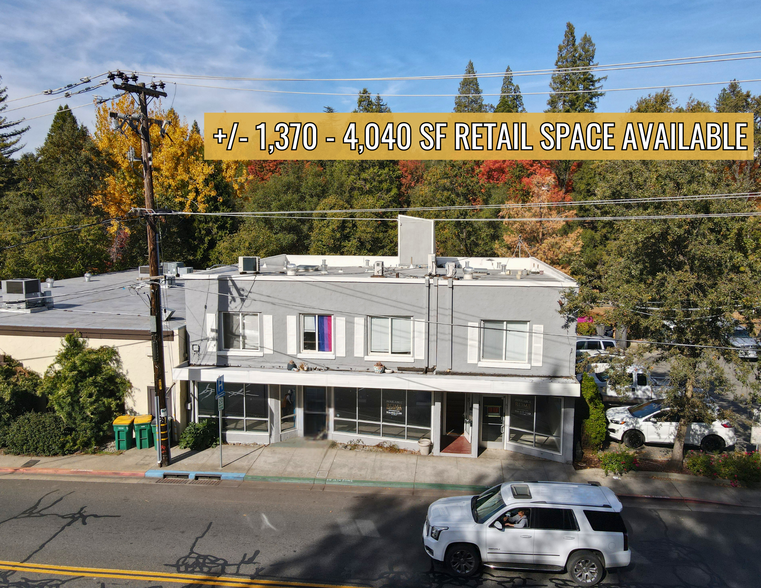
x=595 y=428
x=618 y=462
x=200 y=436
x=37 y=433
x=86 y=387
x=741 y=469
x=588 y=329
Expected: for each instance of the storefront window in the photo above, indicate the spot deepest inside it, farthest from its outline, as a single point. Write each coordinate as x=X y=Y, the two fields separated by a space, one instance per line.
x=245 y=406
x=400 y=414
x=536 y=421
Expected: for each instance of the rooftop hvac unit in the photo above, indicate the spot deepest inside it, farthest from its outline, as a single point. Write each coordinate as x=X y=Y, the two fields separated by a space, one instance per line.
x=248 y=265
x=378 y=268
x=21 y=289
x=144 y=271
x=172 y=268
x=184 y=270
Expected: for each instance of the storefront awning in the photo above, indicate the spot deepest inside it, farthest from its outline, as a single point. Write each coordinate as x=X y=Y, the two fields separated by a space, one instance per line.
x=392 y=381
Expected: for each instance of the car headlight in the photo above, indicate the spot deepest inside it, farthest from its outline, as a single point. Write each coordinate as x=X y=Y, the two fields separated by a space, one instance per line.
x=436 y=531
x=618 y=422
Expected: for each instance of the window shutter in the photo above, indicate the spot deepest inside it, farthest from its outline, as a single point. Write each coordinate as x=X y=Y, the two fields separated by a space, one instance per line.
x=419 y=339
x=537 y=346
x=359 y=336
x=473 y=342
x=211 y=333
x=268 y=345
x=292 y=334
x=340 y=334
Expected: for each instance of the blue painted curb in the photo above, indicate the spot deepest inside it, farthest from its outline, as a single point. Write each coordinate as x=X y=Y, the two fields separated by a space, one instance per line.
x=193 y=475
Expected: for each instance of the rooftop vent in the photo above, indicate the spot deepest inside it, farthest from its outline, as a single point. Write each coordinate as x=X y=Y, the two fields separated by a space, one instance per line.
x=378 y=268
x=290 y=269
x=432 y=264
x=467 y=273
x=450 y=266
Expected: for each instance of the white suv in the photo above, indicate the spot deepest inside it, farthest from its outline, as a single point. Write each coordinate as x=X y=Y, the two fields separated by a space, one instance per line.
x=573 y=527
x=653 y=422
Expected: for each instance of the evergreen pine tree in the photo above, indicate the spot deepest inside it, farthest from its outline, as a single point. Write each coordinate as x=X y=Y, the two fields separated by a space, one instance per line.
x=510 y=99
x=365 y=103
x=575 y=87
x=470 y=99
x=10 y=135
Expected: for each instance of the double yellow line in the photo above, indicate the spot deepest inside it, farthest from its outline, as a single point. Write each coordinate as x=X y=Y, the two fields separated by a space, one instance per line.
x=159 y=576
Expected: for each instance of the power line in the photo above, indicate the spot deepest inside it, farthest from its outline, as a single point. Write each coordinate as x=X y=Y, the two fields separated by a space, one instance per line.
x=694 y=60
x=541 y=93
x=52 y=236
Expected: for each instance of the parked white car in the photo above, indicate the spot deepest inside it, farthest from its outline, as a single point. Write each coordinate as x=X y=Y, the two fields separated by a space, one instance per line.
x=642 y=385
x=573 y=527
x=591 y=345
x=652 y=422
x=747 y=346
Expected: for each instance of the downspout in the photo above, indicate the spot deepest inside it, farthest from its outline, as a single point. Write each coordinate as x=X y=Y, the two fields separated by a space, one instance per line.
x=451 y=322
x=427 y=322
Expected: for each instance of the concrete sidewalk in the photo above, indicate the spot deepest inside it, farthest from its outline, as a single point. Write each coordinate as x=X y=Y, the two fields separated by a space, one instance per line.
x=319 y=465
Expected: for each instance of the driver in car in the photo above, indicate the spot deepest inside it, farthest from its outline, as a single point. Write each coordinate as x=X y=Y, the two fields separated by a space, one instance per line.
x=517 y=521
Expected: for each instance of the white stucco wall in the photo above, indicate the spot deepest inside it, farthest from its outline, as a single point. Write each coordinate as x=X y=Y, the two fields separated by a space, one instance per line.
x=38 y=353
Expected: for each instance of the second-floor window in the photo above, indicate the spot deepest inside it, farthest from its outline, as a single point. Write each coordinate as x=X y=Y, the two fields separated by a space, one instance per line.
x=240 y=331
x=316 y=332
x=391 y=335
x=504 y=341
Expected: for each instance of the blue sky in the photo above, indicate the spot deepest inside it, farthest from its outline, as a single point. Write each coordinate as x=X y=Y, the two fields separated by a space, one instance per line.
x=48 y=45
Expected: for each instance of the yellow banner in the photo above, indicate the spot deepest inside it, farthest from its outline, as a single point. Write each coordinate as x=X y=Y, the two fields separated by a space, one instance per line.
x=246 y=136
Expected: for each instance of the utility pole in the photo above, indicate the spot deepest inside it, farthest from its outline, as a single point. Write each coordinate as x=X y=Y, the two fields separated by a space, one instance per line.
x=141 y=125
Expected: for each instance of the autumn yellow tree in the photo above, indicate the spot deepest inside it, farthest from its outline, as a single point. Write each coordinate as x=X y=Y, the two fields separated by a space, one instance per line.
x=181 y=178
x=549 y=239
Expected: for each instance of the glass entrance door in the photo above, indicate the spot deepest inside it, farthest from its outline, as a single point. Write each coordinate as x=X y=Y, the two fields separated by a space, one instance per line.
x=315 y=412
x=493 y=422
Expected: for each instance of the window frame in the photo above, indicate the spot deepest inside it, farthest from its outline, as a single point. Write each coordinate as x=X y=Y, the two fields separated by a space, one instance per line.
x=306 y=353
x=223 y=349
x=390 y=355
x=524 y=363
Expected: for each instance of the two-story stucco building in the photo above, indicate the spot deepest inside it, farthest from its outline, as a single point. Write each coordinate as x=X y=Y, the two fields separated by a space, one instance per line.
x=473 y=351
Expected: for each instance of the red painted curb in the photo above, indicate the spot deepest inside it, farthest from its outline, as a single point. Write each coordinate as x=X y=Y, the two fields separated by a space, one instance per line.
x=58 y=472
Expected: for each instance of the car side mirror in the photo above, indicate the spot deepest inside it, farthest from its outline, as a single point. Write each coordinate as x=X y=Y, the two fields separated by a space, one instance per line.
x=498 y=525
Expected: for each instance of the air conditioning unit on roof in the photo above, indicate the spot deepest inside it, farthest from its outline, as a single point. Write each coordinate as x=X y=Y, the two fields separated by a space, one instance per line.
x=248 y=265
x=21 y=289
x=172 y=268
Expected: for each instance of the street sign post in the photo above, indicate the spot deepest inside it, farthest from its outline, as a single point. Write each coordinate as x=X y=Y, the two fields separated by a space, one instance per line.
x=220 y=407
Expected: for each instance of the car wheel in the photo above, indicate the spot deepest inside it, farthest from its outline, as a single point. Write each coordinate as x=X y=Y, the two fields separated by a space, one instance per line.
x=712 y=444
x=585 y=568
x=462 y=560
x=633 y=439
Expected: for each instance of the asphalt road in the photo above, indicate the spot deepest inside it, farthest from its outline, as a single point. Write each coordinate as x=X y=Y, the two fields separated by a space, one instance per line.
x=288 y=535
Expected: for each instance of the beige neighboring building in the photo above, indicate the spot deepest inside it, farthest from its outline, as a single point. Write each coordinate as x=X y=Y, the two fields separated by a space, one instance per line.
x=110 y=309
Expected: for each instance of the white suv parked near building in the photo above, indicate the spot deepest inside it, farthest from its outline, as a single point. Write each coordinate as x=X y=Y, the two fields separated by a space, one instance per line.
x=573 y=527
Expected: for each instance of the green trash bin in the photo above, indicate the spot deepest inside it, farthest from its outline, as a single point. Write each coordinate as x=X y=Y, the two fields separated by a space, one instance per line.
x=123 y=432
x=143 y=433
